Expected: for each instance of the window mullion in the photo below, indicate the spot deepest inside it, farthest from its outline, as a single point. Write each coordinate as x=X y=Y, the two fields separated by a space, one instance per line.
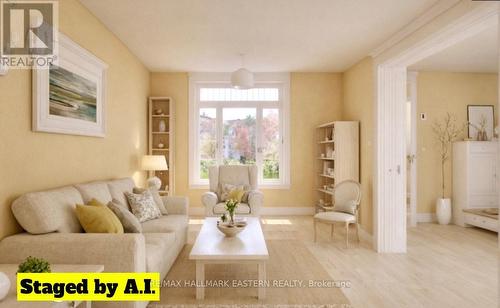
x=220 y=132
x=258 y=144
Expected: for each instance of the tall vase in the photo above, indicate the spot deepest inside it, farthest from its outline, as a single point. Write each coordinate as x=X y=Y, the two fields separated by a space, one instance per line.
x=443 y=211
x=162 y=127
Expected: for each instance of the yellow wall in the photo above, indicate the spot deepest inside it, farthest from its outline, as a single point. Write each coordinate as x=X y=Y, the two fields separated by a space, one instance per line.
x=34 y=161
x=358 y=106
x=314 y=98
x=437 y=94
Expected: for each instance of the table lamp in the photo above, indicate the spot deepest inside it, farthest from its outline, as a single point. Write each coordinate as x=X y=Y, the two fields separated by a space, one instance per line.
x=154 y=163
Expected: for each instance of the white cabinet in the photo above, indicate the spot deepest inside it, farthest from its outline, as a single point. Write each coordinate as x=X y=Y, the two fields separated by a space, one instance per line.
x=475 y=183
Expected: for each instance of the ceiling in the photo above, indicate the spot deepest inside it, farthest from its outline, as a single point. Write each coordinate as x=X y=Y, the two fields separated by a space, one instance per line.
x=275 y=36
x=477 y=54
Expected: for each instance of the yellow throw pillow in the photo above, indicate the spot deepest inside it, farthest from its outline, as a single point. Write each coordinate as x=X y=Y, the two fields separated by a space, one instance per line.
x=236 y=194
x=98 y=218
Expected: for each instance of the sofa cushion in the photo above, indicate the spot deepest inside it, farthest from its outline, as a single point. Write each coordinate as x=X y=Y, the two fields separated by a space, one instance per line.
x=48 y=211
x=169 y=223
x=243 y=208
x=156 y=197
x=130 y=223
x=96 y=217
x=157 y=247
x=94 y=190
x=143 y=206
x=118 y=188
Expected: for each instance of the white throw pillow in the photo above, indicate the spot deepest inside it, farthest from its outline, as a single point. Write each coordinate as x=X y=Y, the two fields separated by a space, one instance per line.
x=156 y=196
x=143 y=206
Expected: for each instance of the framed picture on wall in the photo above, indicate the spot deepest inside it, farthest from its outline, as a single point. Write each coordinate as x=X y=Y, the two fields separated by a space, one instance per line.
x=480 y=117
x=69 y=96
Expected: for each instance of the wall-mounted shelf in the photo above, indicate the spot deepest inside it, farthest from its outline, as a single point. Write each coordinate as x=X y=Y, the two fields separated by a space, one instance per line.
x=161 y=130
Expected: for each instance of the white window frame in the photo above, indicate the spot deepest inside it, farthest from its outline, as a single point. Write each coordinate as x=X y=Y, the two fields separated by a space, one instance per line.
x=203 y=80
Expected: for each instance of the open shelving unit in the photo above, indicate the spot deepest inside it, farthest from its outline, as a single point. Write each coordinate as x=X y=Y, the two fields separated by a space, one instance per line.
x=337 y=157
x=161 y=141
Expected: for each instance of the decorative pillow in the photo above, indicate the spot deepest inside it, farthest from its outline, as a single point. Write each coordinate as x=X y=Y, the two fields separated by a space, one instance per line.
x=348 y=207
x=236 y=194
x=143 y=206
x=98 y=218
x=156 y=196
x=227 y=189
x=130 y=223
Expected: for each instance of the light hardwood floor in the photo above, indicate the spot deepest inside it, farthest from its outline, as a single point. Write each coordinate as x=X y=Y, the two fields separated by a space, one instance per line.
x=446 y=266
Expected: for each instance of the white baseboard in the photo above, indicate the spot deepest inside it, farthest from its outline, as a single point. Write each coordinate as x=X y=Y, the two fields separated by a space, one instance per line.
x=426 y=217
x=266 y=211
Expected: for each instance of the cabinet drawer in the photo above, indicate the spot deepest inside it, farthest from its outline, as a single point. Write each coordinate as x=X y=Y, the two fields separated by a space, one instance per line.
x=483 y=201
x=481 y=221
x=483 y=147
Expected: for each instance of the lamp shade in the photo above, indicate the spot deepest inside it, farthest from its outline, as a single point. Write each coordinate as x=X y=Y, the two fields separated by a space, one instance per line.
x=154 y=162
x=242 y=79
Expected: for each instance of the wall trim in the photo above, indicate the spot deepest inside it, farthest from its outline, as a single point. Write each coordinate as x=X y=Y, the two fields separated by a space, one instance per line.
x=426 y=217
x=436 y=10
x=267 y=211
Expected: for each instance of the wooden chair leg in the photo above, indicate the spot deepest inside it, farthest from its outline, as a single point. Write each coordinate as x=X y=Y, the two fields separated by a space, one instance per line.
x=347 y=235
x=314 y=226
x=357 y=231
x=333 y=230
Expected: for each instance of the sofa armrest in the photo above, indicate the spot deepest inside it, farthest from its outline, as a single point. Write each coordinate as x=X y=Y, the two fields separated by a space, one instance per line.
x=209 y=200
x=255 y=201
x=176 y=205
x=117 y=252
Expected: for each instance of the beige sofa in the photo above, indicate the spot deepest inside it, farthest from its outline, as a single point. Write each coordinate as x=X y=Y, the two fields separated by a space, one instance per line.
x=54 y=233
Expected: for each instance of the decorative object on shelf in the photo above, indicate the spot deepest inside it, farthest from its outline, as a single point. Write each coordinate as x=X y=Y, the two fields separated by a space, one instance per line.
x=161 y=145
x=34 y=265
x=154 y=163
x=481 y=121
x=330 y=171
x=446 y=131
x=162 y=126
x=4 y=285
x=69 y=97
x=322 y=155
x=158 y=111
x=242 y=78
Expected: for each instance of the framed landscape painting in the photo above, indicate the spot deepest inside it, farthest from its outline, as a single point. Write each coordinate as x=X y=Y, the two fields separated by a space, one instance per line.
x=69 y=96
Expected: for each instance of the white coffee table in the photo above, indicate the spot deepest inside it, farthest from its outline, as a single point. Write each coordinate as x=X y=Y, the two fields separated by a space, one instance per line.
x=212 y=246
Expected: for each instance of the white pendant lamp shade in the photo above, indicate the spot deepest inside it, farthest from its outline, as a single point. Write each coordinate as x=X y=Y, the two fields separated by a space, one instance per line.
x=242 y=79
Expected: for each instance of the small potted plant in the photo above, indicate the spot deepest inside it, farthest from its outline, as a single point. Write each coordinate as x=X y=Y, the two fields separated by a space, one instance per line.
x=34 y=265
x=231 y=206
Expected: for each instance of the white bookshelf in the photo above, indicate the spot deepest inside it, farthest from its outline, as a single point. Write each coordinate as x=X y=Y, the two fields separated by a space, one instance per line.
x=337 y=157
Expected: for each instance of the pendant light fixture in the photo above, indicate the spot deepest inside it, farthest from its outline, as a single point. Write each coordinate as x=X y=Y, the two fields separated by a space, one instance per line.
x=242 y=78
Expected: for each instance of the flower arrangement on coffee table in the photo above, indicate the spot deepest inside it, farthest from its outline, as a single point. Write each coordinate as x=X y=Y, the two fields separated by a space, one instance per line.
x=230 y=228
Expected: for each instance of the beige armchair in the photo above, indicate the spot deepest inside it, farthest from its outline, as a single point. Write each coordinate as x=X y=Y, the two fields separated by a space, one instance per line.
x=234 y=175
